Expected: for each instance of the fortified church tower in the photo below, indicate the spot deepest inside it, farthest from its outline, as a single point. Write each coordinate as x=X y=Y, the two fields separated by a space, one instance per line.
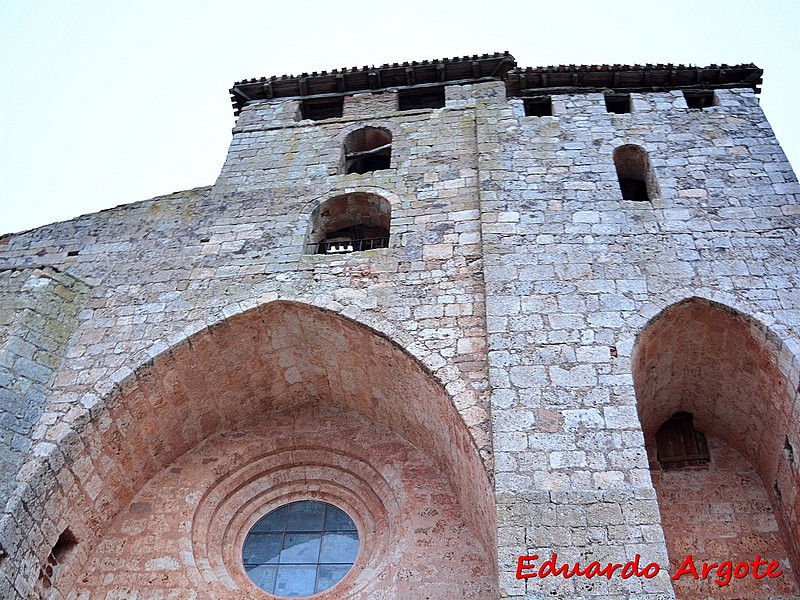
x=430 y=318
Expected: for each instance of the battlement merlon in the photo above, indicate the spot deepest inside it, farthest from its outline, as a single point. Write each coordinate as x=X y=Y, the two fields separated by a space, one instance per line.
x=467 y=69
x=500 y=66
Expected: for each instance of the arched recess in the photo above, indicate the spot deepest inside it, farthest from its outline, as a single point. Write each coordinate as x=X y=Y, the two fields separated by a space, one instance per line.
x=367 y=149
x=732 y=376
x=637 y=181
x=281 y=402
x=349 y=222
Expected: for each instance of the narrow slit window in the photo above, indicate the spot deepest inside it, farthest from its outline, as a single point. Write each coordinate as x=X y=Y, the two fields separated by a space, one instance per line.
x=634 y=173
x=680 y=444
x=63 y=548
x=418 y=98
x=618 y=103
x=538 y=106
x=317 y=109
x=699 y=99
x=367 y=149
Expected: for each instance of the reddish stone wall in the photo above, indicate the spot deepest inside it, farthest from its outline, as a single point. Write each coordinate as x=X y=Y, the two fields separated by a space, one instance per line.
x=183 y=532
x=278 y=357
x=719 y=513
x=730 y=373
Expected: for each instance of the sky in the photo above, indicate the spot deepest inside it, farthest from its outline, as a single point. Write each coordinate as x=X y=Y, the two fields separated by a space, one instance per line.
x=106 y=102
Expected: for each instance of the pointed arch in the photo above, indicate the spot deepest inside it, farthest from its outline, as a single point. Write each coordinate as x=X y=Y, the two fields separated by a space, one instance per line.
x=276 y=360
x=730 y=374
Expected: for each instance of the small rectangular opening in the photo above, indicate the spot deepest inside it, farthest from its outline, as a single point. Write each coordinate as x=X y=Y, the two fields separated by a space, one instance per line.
x=699 y=99
x=679 y=444
x=538 y=106
x=618 y=103
x=413 y=99
x=322 y=108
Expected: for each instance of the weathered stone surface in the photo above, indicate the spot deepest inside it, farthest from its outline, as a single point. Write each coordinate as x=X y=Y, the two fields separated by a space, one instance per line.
x=493 y=343
x=38 y=310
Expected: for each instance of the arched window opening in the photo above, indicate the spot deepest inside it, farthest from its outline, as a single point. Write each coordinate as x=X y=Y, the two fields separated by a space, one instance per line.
x=636 y=179
x=350 y=223
x=680 y=444
x=367 y=149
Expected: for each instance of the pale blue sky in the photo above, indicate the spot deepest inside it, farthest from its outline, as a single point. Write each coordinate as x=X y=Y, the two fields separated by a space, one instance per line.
x=105 y=102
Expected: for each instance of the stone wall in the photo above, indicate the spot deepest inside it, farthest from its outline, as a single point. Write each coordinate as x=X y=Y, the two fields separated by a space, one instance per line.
x=573 y=273
x=516 y=282
x=171 y=267
x=38 y=310
x=720 y=513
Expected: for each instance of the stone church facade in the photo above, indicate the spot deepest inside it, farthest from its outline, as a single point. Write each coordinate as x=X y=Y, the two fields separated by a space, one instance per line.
x=488 y=312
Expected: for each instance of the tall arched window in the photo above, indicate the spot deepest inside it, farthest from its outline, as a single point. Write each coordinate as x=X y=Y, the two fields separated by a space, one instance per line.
x=636 y=178
x=349 y=223
x=367 y=149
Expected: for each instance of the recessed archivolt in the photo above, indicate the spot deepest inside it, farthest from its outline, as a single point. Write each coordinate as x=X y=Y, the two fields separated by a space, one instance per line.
x=326 y=469
x=279 y=355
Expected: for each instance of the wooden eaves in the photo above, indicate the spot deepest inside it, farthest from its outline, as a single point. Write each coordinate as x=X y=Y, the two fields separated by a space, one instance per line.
x=493 y=67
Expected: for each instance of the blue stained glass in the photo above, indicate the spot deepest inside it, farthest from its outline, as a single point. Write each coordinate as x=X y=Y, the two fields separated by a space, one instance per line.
x=339 y=547
x=274 y=521
x=338 y=520
x=300 y=549
x=262 y=548
x=306 y=516
x=295 y=580
x=330 y=575
x=263 y=576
